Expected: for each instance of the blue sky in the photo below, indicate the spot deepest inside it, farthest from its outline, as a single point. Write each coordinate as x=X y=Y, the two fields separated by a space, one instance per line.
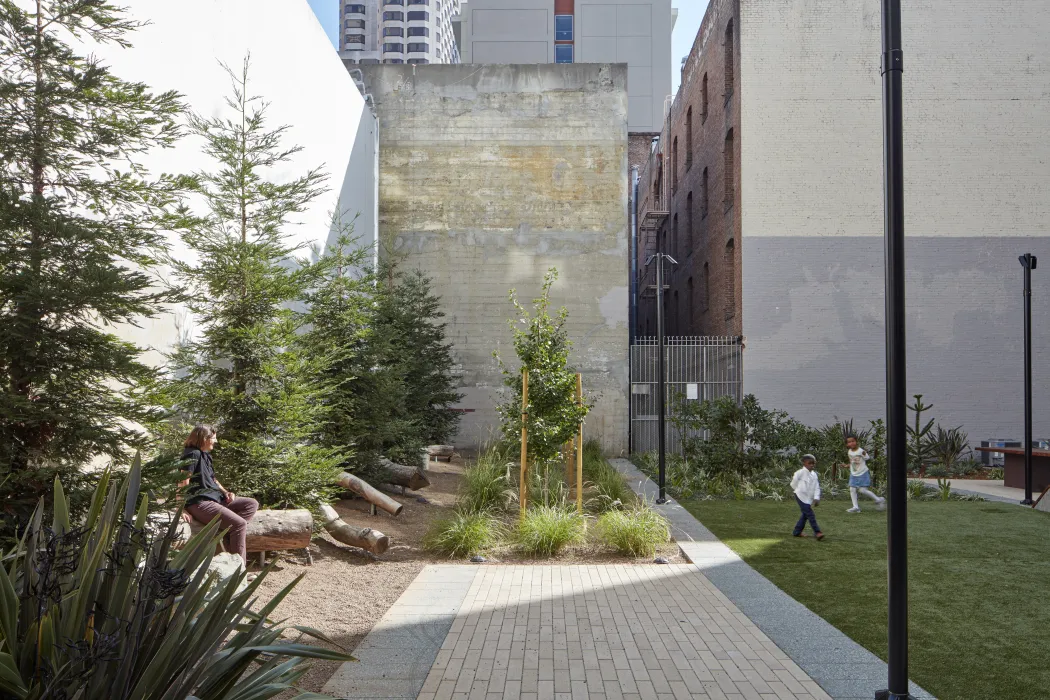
x=690 y=14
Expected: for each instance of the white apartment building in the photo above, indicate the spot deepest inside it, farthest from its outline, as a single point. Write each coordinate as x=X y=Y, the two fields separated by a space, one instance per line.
x=398 y=31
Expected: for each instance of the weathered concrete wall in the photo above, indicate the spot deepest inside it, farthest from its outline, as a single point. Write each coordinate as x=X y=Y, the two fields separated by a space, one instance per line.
x=976 y=96
x=490 y=175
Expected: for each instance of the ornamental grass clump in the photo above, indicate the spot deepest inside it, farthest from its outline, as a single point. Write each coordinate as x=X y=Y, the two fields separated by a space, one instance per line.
x=546 y=530
x=636 y=532
x=486 y=486
x=463 y=534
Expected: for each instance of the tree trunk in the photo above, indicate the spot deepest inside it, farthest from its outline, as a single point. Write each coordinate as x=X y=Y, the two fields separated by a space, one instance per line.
x=362 y=489
x=402 y=475
x=367 y=539
x=274 y=530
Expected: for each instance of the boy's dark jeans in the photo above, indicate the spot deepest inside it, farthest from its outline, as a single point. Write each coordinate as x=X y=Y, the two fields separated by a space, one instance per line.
x=807 y=514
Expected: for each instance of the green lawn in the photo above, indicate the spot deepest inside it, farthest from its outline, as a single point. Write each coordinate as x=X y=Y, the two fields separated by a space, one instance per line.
x=979 y=602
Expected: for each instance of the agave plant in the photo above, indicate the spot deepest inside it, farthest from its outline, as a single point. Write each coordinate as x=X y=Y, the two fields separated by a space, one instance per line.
x=107 y=610
x=948 y=446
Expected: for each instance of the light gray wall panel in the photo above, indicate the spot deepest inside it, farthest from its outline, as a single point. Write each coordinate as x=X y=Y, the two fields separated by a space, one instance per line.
x=813 y=311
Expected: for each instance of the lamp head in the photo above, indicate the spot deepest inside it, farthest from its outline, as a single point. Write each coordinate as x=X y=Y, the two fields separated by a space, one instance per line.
x=1027 y=260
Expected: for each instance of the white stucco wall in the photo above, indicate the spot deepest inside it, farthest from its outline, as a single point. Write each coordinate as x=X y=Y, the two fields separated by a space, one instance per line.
x=293 y=67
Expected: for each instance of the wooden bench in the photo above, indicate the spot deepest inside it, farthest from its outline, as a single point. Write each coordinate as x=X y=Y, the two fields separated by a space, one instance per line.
x=1014 y=467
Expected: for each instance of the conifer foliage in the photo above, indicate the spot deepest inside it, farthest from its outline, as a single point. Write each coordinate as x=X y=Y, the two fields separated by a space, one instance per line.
x=77 y=244
x=245 y=371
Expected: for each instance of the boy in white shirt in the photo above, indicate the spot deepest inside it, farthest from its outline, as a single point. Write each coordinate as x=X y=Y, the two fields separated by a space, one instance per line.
x=806 y=485
x=859 y=476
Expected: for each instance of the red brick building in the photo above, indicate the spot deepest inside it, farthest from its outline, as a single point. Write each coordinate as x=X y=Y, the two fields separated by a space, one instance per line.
x=689 y=194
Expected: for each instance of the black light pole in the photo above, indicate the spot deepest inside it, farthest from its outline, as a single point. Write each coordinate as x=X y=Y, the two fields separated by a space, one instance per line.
x=660 y=400
x=1028 y=261
x=896 y=377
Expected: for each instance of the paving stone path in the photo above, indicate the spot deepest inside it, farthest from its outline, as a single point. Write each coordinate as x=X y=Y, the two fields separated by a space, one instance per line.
x=658 y=632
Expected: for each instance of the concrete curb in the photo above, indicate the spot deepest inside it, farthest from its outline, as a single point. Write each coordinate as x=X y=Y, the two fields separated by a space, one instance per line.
x=843 y=668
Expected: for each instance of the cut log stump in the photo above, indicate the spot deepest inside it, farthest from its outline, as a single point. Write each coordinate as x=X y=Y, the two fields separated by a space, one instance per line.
x=412 y=478
x=367 y=539
x=441 y=452
x=364 y=490
x=273 y=530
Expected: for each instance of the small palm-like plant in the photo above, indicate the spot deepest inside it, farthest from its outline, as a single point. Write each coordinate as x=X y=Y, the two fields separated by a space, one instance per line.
x=107 y=610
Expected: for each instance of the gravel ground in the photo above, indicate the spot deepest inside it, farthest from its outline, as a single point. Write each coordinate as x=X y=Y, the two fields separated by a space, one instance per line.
x=345 y=592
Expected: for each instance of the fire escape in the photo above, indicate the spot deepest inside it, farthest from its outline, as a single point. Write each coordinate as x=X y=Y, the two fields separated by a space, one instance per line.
x=652 y=218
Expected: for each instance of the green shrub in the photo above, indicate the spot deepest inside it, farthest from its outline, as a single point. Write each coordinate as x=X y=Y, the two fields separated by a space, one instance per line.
x=997 y=473
x=105 y=609
x=636 y=532
x=463 y=534
x=916 y=489
x=546 y=530
x=486 y=487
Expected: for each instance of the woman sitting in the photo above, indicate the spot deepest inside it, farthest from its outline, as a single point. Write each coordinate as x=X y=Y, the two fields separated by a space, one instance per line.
x=207 y=499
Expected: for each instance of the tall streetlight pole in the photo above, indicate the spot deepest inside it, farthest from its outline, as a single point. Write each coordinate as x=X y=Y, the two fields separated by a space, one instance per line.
x=661 y=371
x=896 y=377
x=1028 y=261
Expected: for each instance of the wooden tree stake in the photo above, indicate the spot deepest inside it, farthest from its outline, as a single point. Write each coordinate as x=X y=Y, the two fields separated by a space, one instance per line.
x=579 y=448
x=523 y=496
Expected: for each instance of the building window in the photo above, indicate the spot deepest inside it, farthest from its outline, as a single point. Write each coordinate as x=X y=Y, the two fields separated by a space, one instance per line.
x=676 y=319
x=354 y=9
x=689 y=224
x=703 y=195
x=690 y=299
x=393 y=47
x=729 y=265
x=421 y=2
x=393 y=60
x=674 y=238
x=355 y=39
x=354 y=24
x=563 y=53
x=418 y=16
x=393 y=2
x=728 y=175
x=394 y=16
x=369 y=61
x=563 y=27
x=688 y=139
x=703 y=99
x=418 y=48
x=416 y=61
x=418 y=31
x=393 y=31
x=674 y=165
x=705 y=288
x=729 y=60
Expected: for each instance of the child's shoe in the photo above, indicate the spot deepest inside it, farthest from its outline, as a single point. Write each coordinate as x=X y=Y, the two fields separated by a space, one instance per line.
x=820 y=536
x=854 y=509
x=882 y=504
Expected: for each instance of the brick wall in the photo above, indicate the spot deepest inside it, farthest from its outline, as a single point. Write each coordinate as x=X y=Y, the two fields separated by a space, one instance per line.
x=490 y=175
x=704 y=295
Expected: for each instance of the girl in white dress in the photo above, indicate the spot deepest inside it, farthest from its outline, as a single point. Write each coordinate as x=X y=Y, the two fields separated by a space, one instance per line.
x=859 y=476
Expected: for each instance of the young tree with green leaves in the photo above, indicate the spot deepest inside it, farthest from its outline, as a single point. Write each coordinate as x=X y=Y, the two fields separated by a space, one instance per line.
x=542 y=345
x=245 y=372
x=78 y=242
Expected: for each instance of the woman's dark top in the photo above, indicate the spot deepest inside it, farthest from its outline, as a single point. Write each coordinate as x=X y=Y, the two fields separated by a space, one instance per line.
x=203 y=486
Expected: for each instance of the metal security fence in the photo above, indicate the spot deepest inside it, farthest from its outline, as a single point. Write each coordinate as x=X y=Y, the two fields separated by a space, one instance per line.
x=697 y=368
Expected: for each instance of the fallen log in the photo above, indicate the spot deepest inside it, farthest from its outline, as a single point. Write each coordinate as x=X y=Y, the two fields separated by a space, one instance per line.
x=367 y=539
x=273 y=530
x=352 y=483
x=411 y=478
x=439 y=452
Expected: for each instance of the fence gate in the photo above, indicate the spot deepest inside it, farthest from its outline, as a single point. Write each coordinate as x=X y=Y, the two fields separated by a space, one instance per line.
x=697 y=368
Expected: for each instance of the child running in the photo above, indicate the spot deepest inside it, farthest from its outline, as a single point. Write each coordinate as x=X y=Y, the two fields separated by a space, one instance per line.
x=806 y=485
x=859 y=476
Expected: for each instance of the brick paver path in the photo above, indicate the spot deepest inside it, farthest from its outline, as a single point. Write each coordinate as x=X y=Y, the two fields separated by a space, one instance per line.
x=633 y=632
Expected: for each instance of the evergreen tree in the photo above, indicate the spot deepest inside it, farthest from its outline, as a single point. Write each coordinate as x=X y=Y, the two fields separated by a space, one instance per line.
x=245 y=372
x=77 y=243
x=391 y=384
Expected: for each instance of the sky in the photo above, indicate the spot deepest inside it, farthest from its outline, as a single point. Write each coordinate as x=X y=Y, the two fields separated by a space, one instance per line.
x=690 y=14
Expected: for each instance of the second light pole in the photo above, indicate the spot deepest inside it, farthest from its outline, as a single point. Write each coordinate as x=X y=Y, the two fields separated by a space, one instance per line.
x=661 y=399
x=1028 y=261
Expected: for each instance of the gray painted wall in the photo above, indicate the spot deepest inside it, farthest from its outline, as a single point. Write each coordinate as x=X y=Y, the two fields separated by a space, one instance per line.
x=635 y=32
x=815 y=345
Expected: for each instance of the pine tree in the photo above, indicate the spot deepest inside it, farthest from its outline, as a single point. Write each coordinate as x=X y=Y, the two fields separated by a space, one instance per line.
x=391 y=383
x=78 y=240
x=245 y=372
